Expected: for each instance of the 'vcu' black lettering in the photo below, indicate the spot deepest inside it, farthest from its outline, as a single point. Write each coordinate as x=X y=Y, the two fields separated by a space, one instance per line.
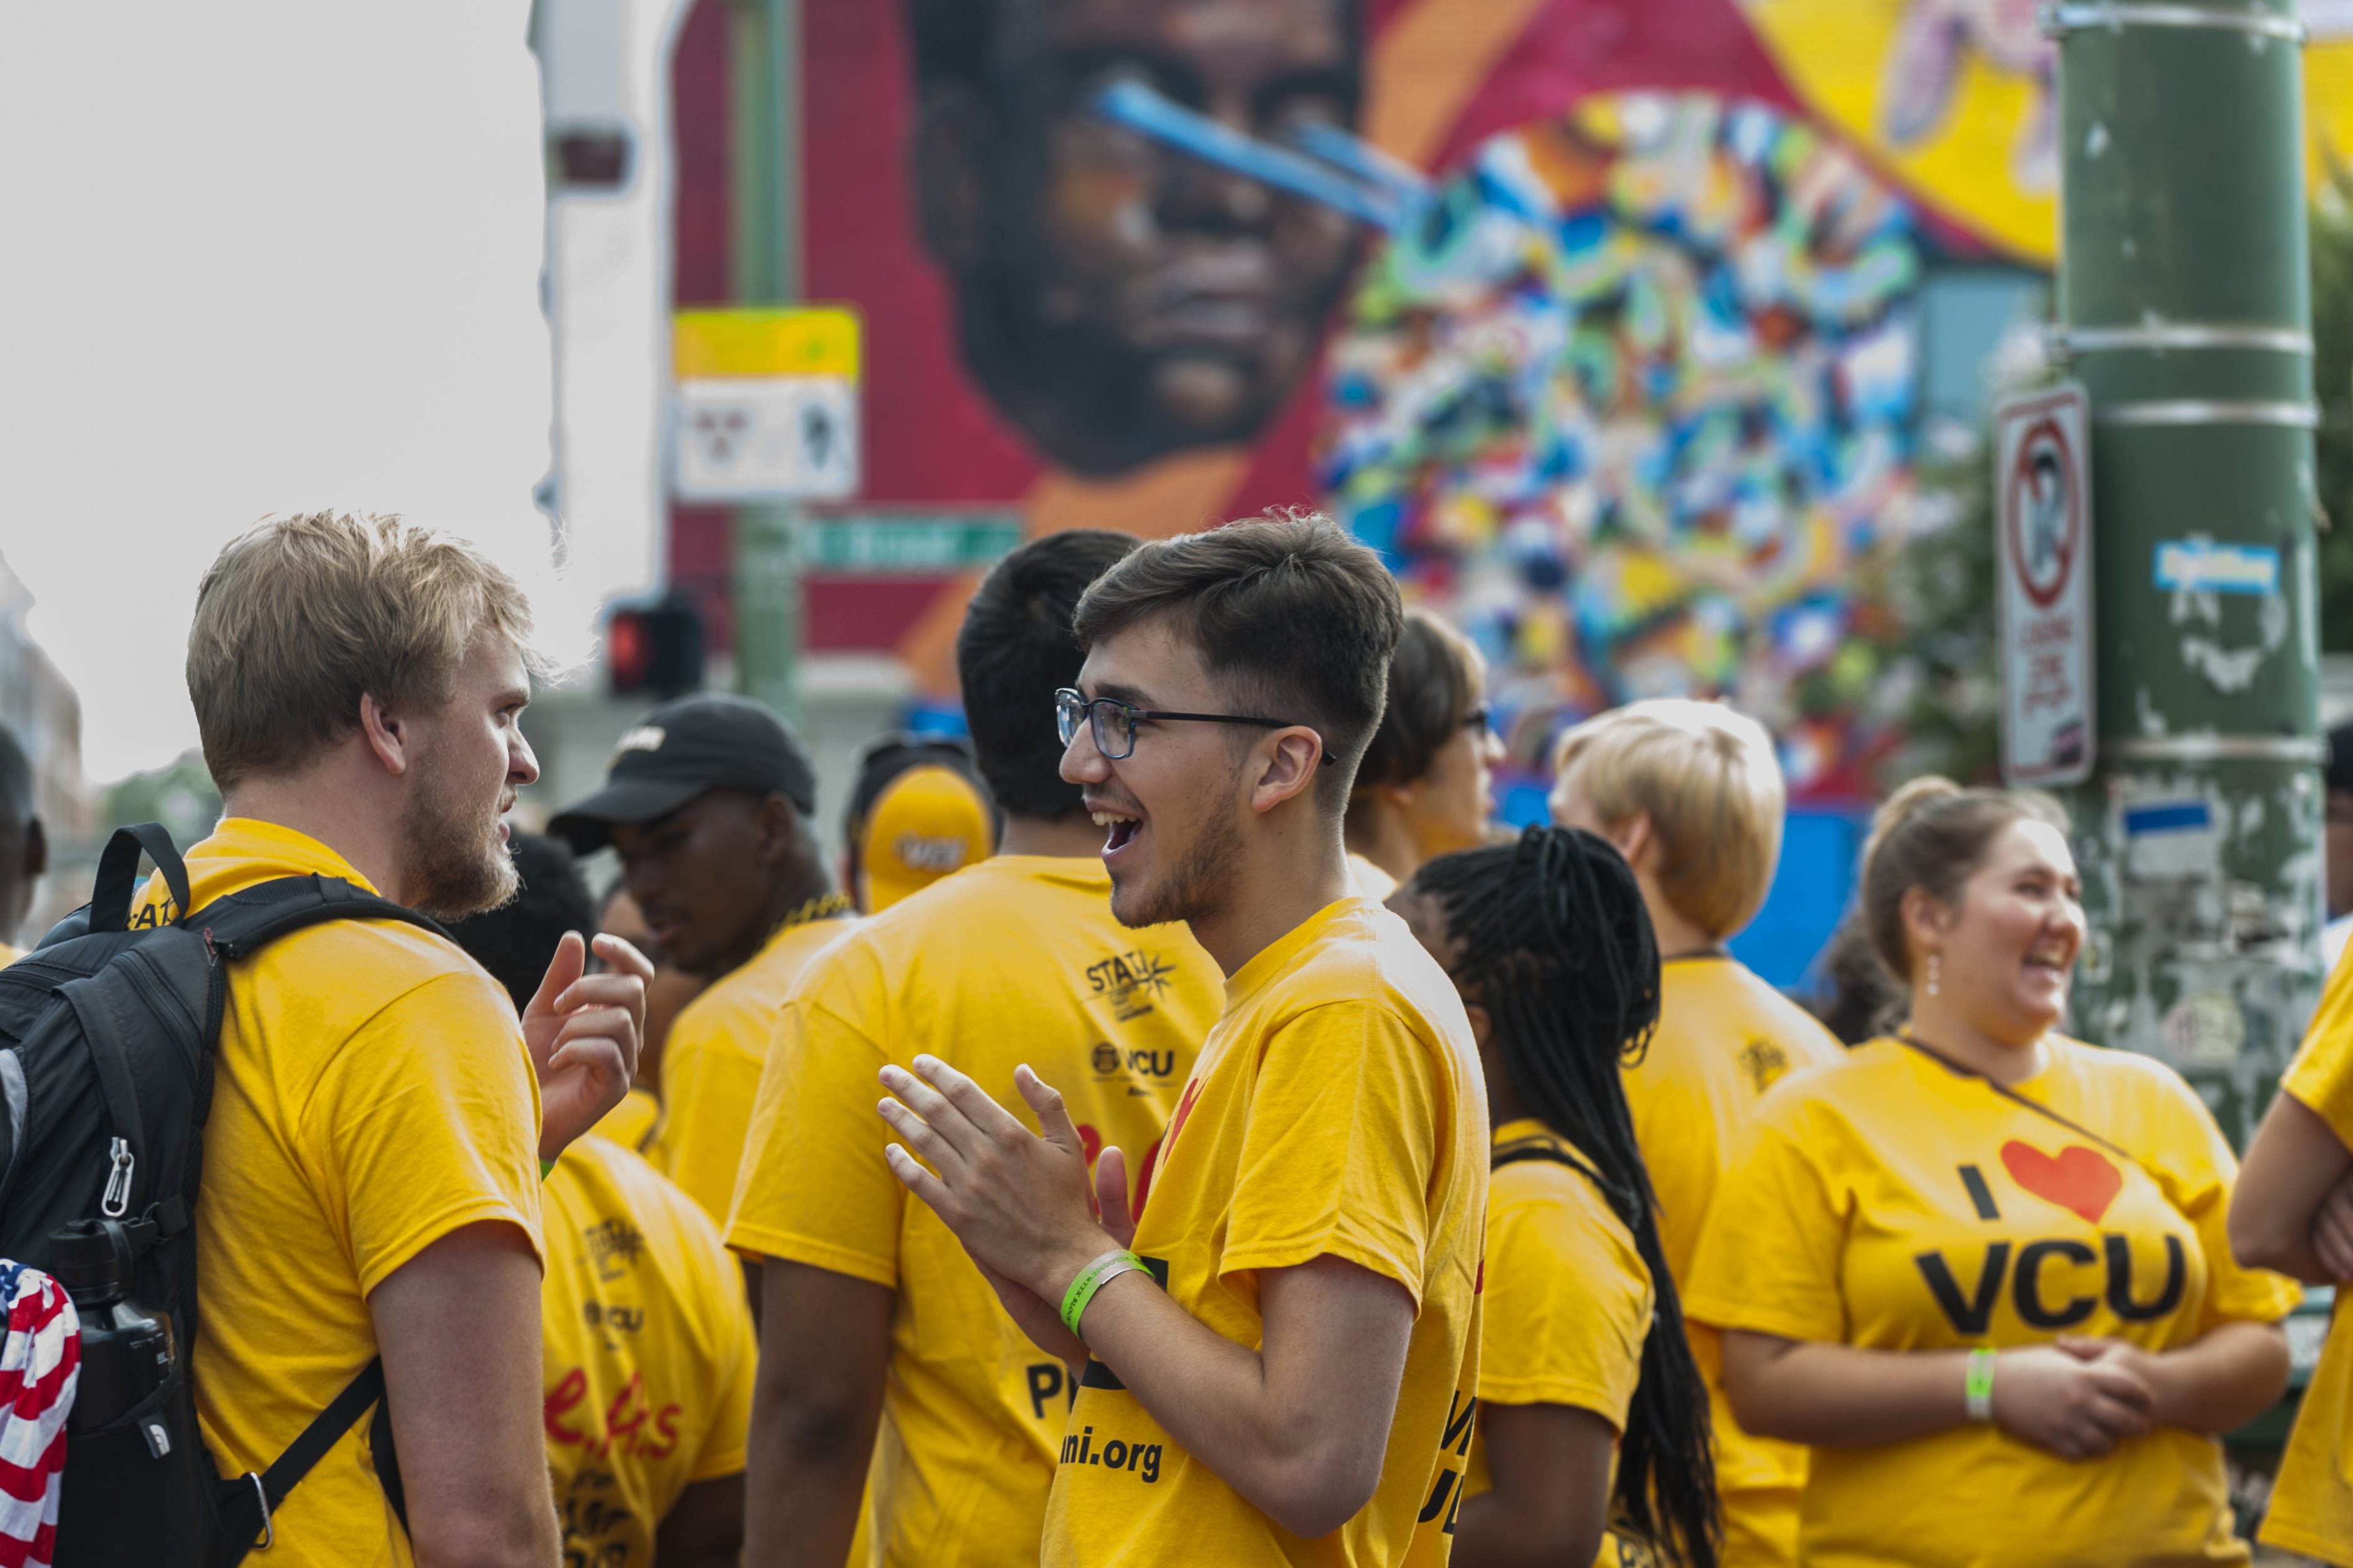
x=2120 y=1295
x=2029 y=1293
x=1968 y=1317
x=1458 y=1427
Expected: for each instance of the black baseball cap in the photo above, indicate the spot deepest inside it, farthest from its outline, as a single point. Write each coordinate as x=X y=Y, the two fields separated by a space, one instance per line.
x=682 y=748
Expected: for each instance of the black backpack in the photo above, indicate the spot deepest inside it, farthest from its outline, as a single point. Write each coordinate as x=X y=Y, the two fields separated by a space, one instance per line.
x=107 y=1036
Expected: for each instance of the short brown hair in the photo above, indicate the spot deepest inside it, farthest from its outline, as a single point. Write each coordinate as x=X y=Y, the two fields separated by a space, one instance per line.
x=1933 y=835
x=1706 y=777
x=1294 y=619
x=1434 y=682
x=299 y=619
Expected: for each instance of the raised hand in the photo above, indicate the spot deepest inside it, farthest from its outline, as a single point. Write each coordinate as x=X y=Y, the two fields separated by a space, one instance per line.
x=1019 y=1201
x=582 y=1031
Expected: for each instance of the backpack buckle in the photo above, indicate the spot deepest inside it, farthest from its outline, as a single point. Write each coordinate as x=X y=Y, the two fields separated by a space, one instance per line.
x=261 y=1496
x=116 y=1201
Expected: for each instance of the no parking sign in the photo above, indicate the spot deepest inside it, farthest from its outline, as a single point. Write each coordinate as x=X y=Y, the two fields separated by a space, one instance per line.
x=2042 y=502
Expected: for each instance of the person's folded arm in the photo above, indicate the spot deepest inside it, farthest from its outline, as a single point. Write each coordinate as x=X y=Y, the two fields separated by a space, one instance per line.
x=2291 y=1207
x=2074 y=1404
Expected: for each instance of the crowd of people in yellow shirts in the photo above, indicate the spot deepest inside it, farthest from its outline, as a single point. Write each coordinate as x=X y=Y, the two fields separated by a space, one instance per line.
x=1193 y=1135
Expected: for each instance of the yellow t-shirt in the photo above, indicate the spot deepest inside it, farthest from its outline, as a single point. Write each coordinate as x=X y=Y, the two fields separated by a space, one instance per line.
x=649 y=1352
x=1568 y=1300
x=711 y=1066
x=1889 y=1203
x=9 y=955
x=1338 y=1110
x=1723 y=1039
x=1014 y=960
x=371 y=1095
x=1371 y=881
x=632 y=1123
x=2312 y=1505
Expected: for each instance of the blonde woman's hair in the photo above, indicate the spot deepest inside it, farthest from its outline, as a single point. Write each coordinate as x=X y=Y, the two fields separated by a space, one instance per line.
x=301 y=617
x=1933 y=835
x=1706 y=777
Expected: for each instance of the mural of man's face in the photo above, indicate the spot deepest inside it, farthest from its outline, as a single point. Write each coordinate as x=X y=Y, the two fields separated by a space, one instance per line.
x=1119 y=301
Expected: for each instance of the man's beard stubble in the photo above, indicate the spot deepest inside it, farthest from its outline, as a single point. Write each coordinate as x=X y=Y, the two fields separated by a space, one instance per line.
x=452 y=864
x=1197 y=885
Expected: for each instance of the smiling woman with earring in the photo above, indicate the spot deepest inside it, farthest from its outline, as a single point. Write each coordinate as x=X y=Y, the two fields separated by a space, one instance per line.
x=1982 y=1267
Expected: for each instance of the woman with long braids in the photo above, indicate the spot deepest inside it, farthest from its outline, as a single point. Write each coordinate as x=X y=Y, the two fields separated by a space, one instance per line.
x=1981 y=1269
x=1584 y=1370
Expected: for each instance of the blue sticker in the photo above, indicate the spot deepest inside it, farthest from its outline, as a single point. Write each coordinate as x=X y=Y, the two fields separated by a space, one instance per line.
x=2172 y=816
x=2192 y=565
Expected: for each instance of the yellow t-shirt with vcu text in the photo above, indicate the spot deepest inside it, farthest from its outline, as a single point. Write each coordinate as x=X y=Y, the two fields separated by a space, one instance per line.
x=2312 y=1505
x=1725 y=1037
x=1888 y=1201
x=371 y=1095
x=1337 y=1111
x=1017 y=959
x=710 y=1064
x=647 y=1352
x=1568 y=1300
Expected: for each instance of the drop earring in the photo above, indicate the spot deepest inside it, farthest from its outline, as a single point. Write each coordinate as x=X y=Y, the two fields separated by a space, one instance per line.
x=1934 y=988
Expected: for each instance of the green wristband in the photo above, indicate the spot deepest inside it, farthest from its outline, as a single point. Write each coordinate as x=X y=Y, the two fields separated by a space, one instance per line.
x=1091 y=1278
x=1976 y=1385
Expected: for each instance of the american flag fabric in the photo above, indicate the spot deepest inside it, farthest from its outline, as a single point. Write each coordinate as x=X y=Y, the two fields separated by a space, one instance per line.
x=40 y=1362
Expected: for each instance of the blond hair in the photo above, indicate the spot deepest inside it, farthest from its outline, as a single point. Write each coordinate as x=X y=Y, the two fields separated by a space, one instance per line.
x=299 y=619
x=1707 y=778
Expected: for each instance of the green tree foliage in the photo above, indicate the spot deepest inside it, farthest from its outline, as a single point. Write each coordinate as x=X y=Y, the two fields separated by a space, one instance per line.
x=181 y=797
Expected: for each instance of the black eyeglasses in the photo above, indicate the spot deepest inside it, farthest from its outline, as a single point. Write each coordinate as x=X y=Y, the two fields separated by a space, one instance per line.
x=1477 y=718
x=1114 y=721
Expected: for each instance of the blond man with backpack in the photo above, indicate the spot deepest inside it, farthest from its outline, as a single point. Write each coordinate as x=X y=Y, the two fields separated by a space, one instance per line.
x=378 y=1124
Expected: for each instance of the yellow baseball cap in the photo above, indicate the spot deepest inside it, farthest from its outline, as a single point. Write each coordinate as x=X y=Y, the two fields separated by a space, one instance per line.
x=928 y=822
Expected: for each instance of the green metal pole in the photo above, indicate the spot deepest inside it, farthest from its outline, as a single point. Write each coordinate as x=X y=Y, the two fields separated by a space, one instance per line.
x=2185 y=303
x=767 y=263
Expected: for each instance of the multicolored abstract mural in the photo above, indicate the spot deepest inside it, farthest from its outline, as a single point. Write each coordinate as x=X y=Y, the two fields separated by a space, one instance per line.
x=1634 y=403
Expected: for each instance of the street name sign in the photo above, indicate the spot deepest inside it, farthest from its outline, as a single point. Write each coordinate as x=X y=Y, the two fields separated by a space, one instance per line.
x=2042 y=511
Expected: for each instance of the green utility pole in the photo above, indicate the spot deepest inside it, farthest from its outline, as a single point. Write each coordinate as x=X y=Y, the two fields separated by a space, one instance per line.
x=2185 y=309
x=765 y=203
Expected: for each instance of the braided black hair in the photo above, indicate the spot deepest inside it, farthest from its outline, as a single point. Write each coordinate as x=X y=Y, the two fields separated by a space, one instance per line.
x=1551 y=937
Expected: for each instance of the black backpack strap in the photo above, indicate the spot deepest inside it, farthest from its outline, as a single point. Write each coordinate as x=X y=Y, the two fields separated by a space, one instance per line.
x=248 y=1502
x=118 y=874
x=243 y=923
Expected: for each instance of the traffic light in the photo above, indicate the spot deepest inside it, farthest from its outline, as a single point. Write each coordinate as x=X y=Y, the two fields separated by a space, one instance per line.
x=655 y=649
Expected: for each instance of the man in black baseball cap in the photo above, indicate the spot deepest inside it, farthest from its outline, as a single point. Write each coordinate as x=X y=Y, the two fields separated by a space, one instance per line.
x=710 y=802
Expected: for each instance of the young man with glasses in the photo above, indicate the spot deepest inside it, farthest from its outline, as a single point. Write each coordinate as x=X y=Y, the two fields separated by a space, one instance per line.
x=1014 y=959
x=1281 y=1369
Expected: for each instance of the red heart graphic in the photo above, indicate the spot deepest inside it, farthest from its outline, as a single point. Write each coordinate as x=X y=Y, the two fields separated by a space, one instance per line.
x=1091 y=1141
x=2081 y=1180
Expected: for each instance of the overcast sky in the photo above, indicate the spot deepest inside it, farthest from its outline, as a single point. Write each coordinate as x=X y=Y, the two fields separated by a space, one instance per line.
x=255 y=257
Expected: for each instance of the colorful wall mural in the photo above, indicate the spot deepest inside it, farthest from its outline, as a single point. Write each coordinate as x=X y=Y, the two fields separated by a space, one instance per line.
x=1641 y=405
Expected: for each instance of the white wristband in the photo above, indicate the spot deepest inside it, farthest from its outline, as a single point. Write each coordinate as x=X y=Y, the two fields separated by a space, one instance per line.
x=1976 y=1386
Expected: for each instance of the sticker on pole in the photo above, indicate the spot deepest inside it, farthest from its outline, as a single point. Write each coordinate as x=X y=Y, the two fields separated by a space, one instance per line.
x=766 y=405
x=2043 y=498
